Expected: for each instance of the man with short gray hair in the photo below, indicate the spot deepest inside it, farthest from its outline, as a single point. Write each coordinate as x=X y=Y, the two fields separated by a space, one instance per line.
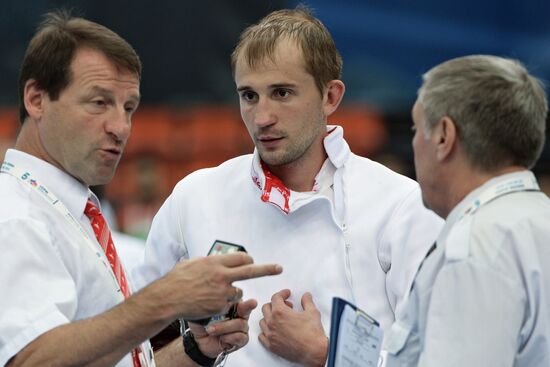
x=479 y=126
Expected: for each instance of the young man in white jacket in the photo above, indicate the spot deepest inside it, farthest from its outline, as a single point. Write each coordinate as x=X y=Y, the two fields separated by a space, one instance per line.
x=340 y=224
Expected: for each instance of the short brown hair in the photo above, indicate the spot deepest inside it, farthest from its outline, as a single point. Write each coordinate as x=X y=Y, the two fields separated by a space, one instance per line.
x=498 y=107
x=322 y=59
x=50 y=53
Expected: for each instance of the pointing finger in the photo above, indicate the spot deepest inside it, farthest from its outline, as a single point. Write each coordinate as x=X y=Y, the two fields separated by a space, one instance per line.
x=253 y=271
x=234 y=259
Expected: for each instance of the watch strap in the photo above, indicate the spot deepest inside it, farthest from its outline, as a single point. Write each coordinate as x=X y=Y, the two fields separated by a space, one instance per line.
x=192 y=350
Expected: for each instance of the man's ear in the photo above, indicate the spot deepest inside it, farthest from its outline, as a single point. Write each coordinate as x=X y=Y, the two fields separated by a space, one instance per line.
x=34 y=98
x=445 y=135
x=332 y=96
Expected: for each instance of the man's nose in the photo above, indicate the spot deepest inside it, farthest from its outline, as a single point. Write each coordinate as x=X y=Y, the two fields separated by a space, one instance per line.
x=263 y=114
x=119 y=124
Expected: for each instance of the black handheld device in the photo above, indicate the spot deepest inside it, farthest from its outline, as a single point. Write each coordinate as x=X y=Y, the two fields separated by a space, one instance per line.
x=221 y=248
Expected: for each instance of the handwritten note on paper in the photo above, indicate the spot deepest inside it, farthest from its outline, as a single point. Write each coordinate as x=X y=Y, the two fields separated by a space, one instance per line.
x=359 y=341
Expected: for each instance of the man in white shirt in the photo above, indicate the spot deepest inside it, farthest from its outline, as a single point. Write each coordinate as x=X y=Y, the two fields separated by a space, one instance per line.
x=340 y=224
x=482 y=296
x=65 y=298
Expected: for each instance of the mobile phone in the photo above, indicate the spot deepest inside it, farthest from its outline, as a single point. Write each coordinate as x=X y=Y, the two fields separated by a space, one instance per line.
x=222 y=248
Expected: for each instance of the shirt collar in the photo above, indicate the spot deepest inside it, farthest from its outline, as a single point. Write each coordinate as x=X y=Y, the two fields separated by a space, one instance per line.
x=456 y=214
x=276 y=193
x=336 y=147
x=72 y=193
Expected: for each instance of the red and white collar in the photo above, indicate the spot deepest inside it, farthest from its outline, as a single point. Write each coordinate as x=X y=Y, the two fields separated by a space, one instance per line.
x=274 y=191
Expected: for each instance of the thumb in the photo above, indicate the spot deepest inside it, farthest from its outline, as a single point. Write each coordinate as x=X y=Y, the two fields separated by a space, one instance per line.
x=280 y=297
x=245 y=308
x=307 y=302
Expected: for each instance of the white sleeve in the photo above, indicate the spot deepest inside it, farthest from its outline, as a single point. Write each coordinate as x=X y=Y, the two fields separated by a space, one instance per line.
x=411 y=231
x=37 y=293
x=475 y=315
x=165 y=245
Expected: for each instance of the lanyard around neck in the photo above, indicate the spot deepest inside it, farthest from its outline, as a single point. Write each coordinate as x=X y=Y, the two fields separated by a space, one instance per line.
x=513 y=184
x=26 y=178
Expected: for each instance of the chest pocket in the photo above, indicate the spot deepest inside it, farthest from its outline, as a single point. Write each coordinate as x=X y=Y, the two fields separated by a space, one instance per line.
x=402 y=345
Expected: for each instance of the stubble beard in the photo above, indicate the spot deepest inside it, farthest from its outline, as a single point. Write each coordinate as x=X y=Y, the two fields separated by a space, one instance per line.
x=287 y=155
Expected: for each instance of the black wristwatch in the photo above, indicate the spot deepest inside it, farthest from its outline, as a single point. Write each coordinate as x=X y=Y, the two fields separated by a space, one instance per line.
x=192 y=350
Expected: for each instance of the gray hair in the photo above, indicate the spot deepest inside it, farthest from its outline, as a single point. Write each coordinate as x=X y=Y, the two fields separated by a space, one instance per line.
x=498 y=108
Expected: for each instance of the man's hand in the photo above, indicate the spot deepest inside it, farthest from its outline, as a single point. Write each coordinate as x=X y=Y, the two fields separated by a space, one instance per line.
x=227 y=335
x=297 y=336
x=202 y=287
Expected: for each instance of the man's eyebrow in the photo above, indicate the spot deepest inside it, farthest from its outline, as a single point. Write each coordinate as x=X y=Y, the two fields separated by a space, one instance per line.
x=101 y=90
x=136 y=98
x=271 y=86
x=282 y=85
x=108 y=93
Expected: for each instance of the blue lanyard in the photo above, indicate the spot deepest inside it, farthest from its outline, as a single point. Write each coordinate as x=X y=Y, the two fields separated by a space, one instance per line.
x=514 y=184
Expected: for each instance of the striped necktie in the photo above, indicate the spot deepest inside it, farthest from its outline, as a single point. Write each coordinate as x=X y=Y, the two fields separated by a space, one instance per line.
x=103 y=235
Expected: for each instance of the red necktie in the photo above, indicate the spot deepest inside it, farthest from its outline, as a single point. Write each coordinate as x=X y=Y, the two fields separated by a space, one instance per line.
x=103 y=235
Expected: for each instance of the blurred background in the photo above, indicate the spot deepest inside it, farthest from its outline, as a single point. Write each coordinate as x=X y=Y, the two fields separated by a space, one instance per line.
x=189 y=115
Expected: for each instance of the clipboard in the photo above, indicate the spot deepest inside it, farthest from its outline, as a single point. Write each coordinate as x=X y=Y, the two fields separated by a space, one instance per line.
x=355 y=337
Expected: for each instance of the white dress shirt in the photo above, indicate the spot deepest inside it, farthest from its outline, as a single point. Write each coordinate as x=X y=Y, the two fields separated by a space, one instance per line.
x=48 y=275
x=482 y=298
